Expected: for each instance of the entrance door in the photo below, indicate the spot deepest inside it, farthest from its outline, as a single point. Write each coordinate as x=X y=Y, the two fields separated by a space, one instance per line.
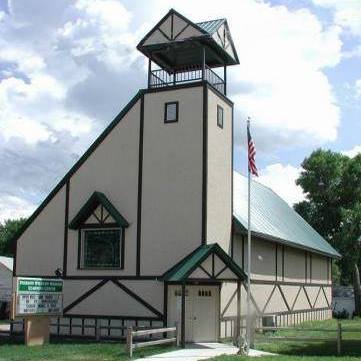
x=202 y=311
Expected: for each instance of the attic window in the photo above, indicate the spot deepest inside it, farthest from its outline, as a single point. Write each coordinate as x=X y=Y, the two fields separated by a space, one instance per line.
x=171 y=112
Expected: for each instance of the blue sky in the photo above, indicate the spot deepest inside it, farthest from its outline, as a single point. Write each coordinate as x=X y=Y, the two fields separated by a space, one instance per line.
x=67 y=67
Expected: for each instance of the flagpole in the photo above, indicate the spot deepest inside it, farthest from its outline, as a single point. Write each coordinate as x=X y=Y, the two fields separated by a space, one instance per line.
x=248 y=319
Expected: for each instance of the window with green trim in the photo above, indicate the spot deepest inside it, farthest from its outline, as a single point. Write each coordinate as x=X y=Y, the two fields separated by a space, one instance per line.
x=101 y=248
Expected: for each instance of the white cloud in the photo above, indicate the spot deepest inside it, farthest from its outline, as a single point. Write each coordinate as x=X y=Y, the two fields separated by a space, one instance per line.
x=347 y=13
x=352 y=152
x=282 y=180
x=14 y=207
x=358 y=88
x=66 y=69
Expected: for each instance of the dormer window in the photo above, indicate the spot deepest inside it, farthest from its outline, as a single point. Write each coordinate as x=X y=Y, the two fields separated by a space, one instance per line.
x=101 y=230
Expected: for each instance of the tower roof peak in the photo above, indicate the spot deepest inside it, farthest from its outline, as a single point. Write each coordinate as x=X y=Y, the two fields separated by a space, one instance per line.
x=176 y=42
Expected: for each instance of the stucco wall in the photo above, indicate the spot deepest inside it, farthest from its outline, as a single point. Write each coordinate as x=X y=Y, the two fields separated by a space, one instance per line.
x=172 y=180
x=40 y=247
x=219 y=173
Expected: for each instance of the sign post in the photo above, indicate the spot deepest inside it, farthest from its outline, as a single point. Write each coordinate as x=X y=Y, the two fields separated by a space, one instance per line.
x=36 y=299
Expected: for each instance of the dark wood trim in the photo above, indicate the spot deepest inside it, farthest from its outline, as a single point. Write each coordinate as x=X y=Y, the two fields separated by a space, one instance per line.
x=66 y=230
x=296 y=298
x=213 y=264
x=181 y=31
x=138 y=298
x=238 y=308
x=110 y=277
x=288 y=283
x=172 y=27
x=183 y=316
x=205 y=271
x=276 y=260
x=84 y=296
x=204 y=164
x=284 y=297
x=165 y=303
x=166 y=121
x=324 y=293
x=220 y=272
x=140 y=184
x=99 y=225
x=122 y=249
x=318 y=293
x=116 y=317
x=269 y=299
x=283 y=262
x=308 y=299
x=79 y=249
x=229 y=302
x=243 y=244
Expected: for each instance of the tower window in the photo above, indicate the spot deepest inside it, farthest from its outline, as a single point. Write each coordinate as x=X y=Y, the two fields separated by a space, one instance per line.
x=171 y=112
x=220 y=116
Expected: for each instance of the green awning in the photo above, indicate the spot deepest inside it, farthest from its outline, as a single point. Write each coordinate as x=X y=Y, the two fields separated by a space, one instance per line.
x=207 y=262
x=96 y=199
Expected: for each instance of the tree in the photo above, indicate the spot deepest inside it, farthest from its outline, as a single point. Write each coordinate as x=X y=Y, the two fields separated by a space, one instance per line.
x=8 y=229
x=332 y=184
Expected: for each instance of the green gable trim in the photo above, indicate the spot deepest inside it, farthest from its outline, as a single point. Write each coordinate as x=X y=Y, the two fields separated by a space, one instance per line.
x=96 y=199
x=181 y=271
x=79 y=163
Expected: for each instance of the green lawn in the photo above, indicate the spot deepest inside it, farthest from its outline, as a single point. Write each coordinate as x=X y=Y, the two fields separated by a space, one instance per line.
x=72 y=351
x=311 y=351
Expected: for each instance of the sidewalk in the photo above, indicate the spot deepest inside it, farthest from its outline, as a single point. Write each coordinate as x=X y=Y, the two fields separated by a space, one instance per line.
x=200 y=351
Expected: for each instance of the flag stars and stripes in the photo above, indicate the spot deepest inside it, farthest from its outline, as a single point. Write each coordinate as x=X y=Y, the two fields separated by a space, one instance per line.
x=251 y=153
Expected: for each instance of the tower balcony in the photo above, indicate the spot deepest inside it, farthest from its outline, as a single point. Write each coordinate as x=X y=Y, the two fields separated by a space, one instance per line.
x=160 y=78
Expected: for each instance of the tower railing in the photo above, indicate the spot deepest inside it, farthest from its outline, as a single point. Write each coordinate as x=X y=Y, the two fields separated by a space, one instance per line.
x=160 y=78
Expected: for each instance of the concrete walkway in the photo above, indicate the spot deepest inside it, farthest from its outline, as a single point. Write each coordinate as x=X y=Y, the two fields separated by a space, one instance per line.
x=200 y=351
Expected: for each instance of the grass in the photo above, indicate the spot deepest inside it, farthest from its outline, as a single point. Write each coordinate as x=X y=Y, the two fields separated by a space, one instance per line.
x=311 y=351
x=71 y=350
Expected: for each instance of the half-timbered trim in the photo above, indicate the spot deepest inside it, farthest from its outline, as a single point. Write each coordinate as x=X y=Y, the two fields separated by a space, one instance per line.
x=66 y=224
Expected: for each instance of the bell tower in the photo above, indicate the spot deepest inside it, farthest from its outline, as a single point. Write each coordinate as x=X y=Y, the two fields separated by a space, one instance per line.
x=187 y=139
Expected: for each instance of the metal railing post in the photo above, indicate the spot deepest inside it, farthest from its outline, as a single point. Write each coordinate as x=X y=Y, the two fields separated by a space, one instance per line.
x=339 y=337
x=177 y=333
x=130 y=341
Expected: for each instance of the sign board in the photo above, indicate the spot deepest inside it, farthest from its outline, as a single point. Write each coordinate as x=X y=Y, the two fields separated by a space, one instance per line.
x=39 y=296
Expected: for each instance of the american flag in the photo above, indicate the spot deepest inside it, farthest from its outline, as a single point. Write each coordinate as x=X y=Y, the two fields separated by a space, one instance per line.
x=251 y=154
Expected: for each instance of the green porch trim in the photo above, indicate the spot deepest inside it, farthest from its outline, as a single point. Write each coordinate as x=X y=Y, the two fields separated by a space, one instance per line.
x=96 y=199
x=181 y=271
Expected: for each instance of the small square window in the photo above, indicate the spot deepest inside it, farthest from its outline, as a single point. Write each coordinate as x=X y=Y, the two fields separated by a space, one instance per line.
x=171 y=112
x=220 y=116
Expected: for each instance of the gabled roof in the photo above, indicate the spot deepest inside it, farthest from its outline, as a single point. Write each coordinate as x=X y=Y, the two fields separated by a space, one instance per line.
x=8 y=262
x=96 y=199
x=196 y=265
x=176 y=42
x=273 y=219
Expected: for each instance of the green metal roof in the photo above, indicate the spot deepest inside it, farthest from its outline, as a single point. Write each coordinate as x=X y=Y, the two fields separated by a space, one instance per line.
x=188 y=264
x=91 y=204
x=211 y=26
x=272 y=218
